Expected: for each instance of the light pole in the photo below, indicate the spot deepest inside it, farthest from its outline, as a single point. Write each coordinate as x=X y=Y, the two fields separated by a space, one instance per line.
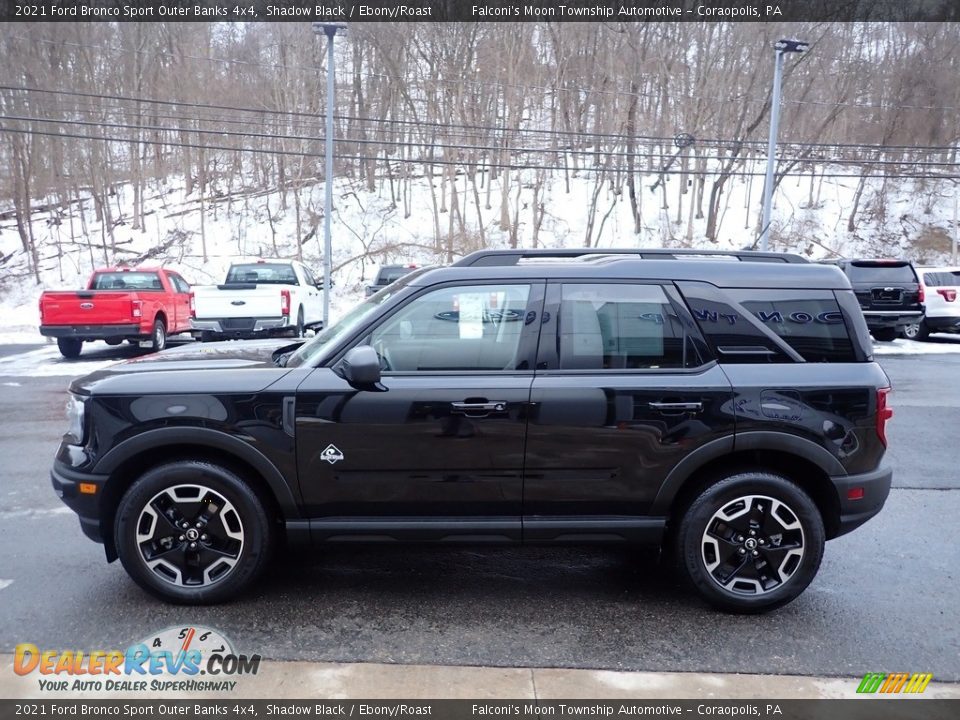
x=330 y=30
x=780 y=48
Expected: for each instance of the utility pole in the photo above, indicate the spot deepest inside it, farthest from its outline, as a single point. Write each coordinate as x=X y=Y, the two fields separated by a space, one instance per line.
x=780 y=48
x=330 y=30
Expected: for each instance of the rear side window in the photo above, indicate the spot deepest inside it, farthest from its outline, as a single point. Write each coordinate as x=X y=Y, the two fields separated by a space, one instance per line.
x=890 y=272
x=619 y=326
x=809 y=321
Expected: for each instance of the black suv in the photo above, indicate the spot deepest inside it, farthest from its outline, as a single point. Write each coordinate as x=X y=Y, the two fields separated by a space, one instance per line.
x=889 y=293
x=725 y=409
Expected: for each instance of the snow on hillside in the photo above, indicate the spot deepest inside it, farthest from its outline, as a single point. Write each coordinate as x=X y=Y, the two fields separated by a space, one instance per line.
x=368 y=229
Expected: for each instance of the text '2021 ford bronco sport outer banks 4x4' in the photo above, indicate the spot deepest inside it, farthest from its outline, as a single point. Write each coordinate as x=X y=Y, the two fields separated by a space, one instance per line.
x=726 y=409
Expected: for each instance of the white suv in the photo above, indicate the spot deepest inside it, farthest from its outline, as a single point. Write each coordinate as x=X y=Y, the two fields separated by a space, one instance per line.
x=941 y=287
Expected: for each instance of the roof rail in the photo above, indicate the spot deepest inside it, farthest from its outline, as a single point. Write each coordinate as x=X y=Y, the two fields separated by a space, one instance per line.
x=487 y=258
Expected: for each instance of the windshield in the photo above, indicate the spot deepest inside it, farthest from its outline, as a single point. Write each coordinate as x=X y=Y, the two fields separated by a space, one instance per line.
x=262 y=273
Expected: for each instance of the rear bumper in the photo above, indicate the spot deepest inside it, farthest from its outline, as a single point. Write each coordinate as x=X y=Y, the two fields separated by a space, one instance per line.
x=66 y=484
x=891 y=318
x=943 y=324
x=876 y=488
x=92 y=332
x=240 y=327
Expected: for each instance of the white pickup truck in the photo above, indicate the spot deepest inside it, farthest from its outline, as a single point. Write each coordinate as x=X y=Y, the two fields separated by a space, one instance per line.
x=264 y=297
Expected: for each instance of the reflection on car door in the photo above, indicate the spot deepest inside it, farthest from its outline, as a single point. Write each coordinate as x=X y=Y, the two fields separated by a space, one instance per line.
x=438 y=455
x=620 y=397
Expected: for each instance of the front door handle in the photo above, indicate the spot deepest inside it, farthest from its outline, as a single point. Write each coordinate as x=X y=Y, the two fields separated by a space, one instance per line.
x=478 y=409
x=677 y=407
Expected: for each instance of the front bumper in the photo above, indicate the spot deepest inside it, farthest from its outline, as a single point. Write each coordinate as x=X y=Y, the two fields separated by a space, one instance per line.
x=92 y=331
x=240 y=327
x=66 y=484
x=876 y=488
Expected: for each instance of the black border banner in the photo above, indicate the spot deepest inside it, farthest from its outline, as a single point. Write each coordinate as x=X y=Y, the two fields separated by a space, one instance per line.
x=354 y=11
x=891 y=708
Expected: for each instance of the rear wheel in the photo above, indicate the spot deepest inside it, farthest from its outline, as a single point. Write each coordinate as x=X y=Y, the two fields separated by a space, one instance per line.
x=885 y=334
x=158 y=338
x=917 y=331
x=192 y=532
x=751 y=542
x=113 y=340
x=70 y=347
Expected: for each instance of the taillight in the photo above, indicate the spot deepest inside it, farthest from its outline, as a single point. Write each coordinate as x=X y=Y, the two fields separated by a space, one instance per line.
x=136 y=308
x=948 y=294
x=40 y=304
x=920 y=295
x=193 y=306
x=284 y=302
x=884 y=413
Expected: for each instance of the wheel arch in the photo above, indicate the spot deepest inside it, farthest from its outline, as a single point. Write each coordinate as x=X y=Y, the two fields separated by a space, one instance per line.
x=810 y=472
x=129 y=460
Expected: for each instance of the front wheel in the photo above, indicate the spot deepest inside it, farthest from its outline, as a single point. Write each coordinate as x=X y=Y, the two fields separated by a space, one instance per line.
x=192 y=532
x=70 y=347
x=751 y=542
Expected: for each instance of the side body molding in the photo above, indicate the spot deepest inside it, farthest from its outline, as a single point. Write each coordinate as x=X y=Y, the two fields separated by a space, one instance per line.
x=163 y=437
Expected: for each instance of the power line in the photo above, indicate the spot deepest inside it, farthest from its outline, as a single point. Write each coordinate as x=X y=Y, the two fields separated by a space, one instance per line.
x=731 y=143
x=430 y=161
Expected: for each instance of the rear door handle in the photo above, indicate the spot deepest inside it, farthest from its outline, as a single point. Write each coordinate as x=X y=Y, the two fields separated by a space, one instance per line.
x=478 y=409
x=677 y=407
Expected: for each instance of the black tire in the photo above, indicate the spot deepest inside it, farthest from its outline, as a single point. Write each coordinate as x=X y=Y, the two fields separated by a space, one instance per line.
x=113 y=340
x=158 y=337
x=300 y=329
x=885 y=334
x=707 y=559
x=70 y=347
x=919 y=331
x=196 y=487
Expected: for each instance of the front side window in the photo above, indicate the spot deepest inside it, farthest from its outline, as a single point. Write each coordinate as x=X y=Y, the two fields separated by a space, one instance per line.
x=467 y=328
x=618 y=326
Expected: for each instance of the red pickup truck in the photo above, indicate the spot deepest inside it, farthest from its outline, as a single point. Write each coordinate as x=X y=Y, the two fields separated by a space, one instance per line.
x=135 y=304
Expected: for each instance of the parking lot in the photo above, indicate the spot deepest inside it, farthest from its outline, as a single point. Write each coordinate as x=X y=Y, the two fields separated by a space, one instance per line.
x=884 y=599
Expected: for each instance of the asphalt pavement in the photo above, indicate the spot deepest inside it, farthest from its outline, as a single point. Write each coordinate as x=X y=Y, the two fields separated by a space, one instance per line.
x=885 y=599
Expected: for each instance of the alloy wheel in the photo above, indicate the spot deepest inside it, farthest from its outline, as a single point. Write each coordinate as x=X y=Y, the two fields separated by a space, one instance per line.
x=752 y=545
x=189 y=536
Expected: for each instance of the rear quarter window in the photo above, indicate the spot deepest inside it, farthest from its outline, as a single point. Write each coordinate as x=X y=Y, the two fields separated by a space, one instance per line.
x=809 y=321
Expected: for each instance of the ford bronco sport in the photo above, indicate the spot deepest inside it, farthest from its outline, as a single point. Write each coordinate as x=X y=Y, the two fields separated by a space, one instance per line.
x=725 y=408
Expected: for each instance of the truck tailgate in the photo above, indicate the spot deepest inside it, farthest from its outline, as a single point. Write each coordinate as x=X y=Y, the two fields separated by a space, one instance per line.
x=87 y=307
x=237 y=301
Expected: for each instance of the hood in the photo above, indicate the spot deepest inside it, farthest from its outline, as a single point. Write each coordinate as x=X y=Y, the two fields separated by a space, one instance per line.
x=240 y=366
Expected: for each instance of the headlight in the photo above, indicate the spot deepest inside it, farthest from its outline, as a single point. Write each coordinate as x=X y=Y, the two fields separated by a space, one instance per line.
x=75 y=413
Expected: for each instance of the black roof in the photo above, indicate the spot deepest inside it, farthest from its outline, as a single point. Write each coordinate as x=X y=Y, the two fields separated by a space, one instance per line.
x=628 y=267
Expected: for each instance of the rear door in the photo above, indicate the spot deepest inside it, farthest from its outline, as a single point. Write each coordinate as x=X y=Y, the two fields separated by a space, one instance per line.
x=622 y=394
x=438 y=454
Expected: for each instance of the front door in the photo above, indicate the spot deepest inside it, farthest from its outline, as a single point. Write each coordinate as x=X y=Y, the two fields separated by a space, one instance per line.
x=438 y=454
x=620 y=397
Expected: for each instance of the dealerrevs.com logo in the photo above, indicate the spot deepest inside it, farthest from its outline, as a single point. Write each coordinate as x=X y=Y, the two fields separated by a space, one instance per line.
x=178 y=659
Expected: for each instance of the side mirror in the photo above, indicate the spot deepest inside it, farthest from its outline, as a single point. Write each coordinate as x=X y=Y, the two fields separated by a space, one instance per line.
x=361 y=368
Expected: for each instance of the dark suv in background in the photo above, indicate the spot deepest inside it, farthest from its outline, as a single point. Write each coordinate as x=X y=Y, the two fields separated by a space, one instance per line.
x=889 y=293
x=723 y=407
